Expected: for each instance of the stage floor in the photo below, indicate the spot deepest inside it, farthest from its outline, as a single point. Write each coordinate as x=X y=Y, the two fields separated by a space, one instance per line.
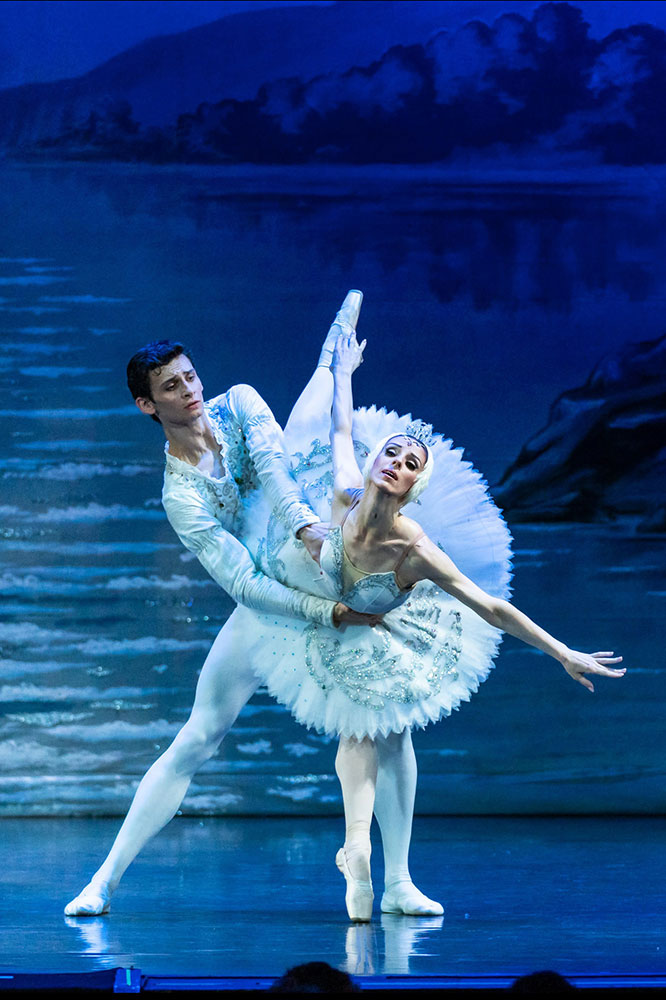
x=250 y=897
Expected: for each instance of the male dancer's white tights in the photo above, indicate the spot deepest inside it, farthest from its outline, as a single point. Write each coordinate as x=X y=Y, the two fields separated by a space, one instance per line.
x=225 y=684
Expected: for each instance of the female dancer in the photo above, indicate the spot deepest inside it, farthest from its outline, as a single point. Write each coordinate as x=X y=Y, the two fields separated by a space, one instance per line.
x=438 y=634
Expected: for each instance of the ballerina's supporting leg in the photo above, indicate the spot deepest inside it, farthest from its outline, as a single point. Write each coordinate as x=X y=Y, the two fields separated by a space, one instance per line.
x=394 y=809
x=225 y=685
x=356 y=767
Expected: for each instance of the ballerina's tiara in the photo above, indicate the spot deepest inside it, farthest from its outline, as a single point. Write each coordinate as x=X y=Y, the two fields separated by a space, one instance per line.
x=420 y=431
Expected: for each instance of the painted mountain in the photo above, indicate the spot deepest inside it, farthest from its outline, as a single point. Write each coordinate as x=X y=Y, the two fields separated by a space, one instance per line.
x=164 y=77
x=244 y=89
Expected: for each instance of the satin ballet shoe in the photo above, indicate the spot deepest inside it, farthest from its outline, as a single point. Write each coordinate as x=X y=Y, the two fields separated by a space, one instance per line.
x=92 y=901
x=359 y=895
x=345 y=321
x=404 y=898
x=349 y=311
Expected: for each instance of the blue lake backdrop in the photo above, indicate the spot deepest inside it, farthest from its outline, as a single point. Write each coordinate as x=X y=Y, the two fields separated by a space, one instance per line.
x=486 y=297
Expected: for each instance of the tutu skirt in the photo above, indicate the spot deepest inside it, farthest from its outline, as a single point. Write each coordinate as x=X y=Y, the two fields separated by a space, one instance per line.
x=431 y=652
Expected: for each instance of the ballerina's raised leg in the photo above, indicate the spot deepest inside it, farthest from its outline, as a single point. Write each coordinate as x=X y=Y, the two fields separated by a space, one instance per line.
x=314 y=402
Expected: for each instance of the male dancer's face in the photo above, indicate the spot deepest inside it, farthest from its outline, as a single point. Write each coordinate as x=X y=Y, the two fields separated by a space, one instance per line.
x=177 y=393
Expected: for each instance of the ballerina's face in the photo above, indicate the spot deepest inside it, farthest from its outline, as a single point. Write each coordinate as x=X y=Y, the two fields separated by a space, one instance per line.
x=398 y=465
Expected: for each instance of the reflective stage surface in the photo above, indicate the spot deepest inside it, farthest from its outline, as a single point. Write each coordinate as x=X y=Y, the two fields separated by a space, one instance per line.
x=251 y=897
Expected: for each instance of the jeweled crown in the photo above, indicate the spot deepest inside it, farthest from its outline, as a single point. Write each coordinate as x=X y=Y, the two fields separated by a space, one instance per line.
x=421 y=431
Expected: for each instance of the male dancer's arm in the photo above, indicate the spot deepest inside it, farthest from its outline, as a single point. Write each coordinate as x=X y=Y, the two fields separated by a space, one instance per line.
x=230 y=563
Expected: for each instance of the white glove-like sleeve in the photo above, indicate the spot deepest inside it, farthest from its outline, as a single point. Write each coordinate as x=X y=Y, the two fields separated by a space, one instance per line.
x=231 y=565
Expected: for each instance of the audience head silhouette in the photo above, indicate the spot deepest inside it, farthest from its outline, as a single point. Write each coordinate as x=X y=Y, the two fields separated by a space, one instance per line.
x=314 y=977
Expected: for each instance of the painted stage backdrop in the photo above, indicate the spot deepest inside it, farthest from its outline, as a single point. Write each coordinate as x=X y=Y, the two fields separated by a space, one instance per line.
x=491 y=175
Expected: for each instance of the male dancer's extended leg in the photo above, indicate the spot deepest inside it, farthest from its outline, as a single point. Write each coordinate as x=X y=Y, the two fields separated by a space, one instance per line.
x=225 y=685
x=394 y=809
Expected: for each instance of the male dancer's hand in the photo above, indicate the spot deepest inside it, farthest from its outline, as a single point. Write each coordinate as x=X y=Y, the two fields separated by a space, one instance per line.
x=344 y=615
x=312 y=536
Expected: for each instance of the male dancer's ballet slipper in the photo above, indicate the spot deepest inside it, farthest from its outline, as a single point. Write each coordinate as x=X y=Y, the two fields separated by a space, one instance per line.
x=92 y=901
x=345 y=322
x=404 y=898
x=359 y=895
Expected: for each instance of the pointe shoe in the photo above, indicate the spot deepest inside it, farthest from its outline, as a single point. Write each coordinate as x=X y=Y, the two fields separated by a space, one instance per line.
x=92 y=901
x=345 y=321
x=359 y=895
x=350 y=310
x=404 y=898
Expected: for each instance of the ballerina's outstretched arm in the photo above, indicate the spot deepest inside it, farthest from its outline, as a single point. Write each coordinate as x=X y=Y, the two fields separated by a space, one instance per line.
x=427 y=561
x=347 y=476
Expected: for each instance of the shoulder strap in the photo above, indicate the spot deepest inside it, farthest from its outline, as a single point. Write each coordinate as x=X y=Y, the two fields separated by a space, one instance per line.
x=356 y=496
x=405 y=553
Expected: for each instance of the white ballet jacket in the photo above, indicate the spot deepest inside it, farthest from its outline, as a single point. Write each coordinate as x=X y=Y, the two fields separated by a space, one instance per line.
x=207 y=514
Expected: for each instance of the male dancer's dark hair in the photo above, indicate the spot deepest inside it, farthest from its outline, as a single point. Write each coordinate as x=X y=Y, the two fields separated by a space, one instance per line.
x=148 y=359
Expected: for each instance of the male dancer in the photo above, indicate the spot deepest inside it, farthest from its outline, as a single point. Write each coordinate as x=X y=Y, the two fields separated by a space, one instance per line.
x=216 y=455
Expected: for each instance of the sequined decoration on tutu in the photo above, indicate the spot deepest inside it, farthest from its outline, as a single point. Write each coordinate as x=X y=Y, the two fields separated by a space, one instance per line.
x=370 y=675
x=314 y=470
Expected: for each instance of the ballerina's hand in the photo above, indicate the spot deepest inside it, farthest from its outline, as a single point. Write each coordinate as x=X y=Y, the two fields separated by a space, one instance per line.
x=348 y=353
x=343 y=615
x=578 y=664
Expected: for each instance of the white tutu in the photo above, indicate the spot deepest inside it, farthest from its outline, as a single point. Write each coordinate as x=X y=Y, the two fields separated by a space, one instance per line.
x=432 y=652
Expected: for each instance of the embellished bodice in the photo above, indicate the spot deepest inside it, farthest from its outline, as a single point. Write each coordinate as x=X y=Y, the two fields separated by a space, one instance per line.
x=221 y=496
x=374 y=593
